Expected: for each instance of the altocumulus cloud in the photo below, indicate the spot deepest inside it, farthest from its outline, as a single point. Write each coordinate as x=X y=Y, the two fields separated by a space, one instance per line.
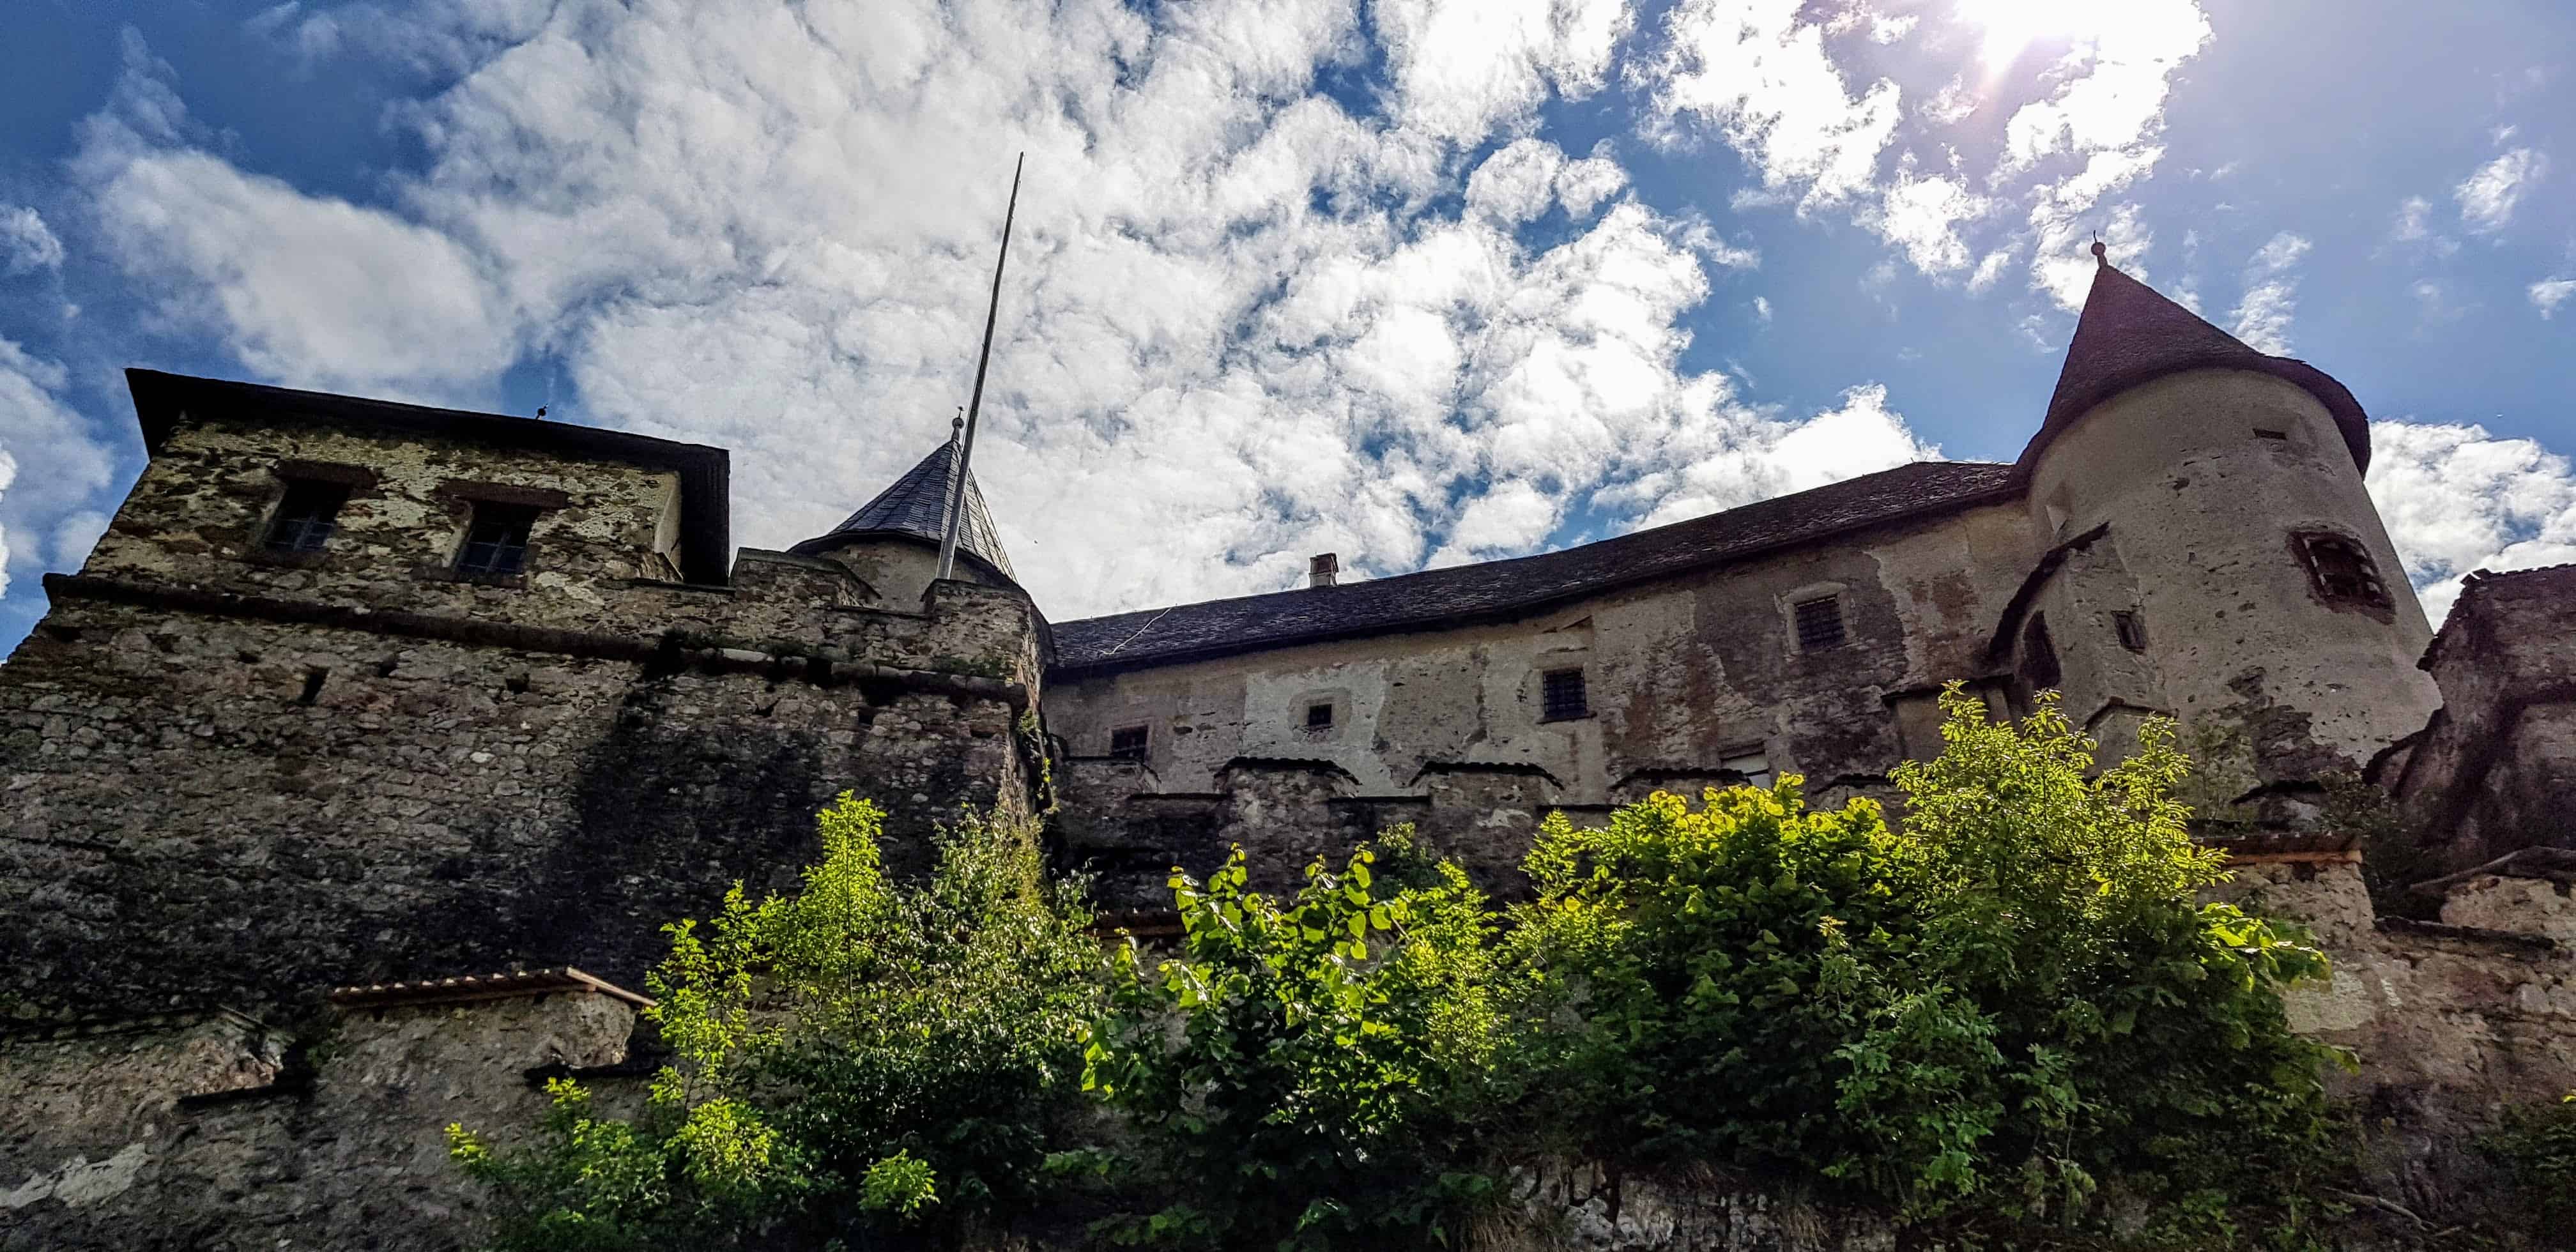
x=1245 y=322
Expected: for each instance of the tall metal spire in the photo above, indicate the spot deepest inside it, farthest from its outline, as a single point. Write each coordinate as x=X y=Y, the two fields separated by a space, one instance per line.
x=975 y=402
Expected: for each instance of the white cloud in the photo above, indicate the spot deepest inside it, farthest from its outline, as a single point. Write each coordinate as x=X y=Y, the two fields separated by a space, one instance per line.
x=1242 y=323
x=2415 y=226
x=1923 y=216
x=50 y=467
x=1463 y=67
x=2458 y=499
x=26 y=243
x=1761 y=76
x=2262 y=317
x=2549 y=293
x=1762 y=308
x=2111 y=87
x=1526 y=177
x=2487 y=197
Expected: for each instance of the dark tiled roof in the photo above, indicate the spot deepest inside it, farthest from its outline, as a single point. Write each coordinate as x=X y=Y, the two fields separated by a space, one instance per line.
x=1442 y=598
x=2129 y=335
x=706 y=513
x=917 y=505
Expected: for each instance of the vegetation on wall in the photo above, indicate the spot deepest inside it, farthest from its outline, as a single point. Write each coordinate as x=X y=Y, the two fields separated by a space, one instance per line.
x=1988 y=1025
x=864 y=1058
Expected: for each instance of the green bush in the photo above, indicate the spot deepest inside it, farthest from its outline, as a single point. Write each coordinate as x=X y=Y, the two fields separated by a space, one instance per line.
x=1307 y=1073
x=1995 y=1012
x=862 y=1058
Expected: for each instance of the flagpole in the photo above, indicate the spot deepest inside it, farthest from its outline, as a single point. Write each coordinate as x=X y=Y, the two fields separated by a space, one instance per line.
x=975 y=402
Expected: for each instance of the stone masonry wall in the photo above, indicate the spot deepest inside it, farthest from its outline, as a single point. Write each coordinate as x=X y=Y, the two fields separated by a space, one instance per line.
x=189 y=1137
x=213 y=808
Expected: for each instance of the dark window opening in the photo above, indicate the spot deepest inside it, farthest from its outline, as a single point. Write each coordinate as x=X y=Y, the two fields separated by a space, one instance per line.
x=2342 y=570
x=312 y=686
x=2039 y=668
x=1128 y=743
x=1319 y=717
x=2261 y=433
x=1561 y=692
x=1820 y=622
x=307 y=516
x=496 y=542
x=2132 y=630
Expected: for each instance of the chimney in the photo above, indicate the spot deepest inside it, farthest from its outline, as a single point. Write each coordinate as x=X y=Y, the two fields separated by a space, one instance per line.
x=1324 y=570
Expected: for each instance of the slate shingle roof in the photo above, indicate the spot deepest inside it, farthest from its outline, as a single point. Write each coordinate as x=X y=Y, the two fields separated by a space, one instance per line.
x=2129 y=334
x=1442 y=598
x=917 y=505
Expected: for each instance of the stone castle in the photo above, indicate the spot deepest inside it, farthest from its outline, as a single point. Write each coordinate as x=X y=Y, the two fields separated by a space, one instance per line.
x=451 y=711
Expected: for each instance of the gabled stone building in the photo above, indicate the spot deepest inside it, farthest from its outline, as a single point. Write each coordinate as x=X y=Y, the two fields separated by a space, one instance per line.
x=394 y=699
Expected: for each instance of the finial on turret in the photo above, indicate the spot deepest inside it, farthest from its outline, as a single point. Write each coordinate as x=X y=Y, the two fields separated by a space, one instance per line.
x=2098 y=250
x=957 y=424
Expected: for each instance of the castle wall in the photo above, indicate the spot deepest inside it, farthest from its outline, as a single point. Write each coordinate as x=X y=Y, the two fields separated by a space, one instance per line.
x=201 y=509
x=185 y=1135
x=2491 y=773
x=1448 y=728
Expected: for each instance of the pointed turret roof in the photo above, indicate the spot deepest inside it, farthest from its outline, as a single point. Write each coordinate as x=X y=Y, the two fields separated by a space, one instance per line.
x=2129 y=334
x=916 y=505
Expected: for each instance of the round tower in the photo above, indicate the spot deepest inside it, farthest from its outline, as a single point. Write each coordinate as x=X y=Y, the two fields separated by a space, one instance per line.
x=892 y=542
x=2215 y=555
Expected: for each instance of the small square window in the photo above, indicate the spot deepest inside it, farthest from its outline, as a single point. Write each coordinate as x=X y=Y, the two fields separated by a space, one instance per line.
x=1128 y=743
x=496 y=541
x=1562 y=694
x=1319 y=716
x=307 y=516
x=2132 y=630
x=1820 y=622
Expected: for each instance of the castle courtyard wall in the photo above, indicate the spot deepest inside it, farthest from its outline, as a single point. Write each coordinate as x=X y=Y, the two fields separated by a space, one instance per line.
x=1446 y=728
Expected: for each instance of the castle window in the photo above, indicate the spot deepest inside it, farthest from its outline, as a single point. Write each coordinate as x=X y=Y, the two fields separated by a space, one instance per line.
x=1128 y=743
x=2039 y=668
x=1562 y=696
x=2261 y=433
x=1820 y=622
x=307 y=516
x=496 y=540
x=1753 y=761
x=2342 y=570
x=2132 y=630
x=1319 y=716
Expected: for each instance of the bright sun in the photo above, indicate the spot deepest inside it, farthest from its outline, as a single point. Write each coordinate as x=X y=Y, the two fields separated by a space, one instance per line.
x=2012 y=24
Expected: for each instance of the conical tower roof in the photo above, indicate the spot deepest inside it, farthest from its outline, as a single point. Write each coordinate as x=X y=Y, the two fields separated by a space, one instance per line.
x=2129 y=335
x=916 y=505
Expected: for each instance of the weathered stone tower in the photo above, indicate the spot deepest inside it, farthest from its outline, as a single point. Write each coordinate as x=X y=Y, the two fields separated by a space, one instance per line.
x=355 y=692
x=2210 y=552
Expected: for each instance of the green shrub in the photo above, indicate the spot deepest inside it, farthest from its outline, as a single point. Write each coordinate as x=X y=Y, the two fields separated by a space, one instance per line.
x=1995 y=1012
x=862 y=1056
x=1306 y=1073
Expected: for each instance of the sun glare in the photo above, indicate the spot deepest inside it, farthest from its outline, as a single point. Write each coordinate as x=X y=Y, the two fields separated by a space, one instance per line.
x=2012 y=25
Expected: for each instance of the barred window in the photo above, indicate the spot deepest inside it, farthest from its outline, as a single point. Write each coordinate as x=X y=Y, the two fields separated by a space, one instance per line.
x=1820 y=622
x=307 y=516
x=2342 y=570
x=1562 y=693
x=496 y=541
x=1128 y=743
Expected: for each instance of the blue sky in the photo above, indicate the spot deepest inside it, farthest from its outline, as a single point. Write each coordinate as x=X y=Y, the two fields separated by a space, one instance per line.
x=1419 y=281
